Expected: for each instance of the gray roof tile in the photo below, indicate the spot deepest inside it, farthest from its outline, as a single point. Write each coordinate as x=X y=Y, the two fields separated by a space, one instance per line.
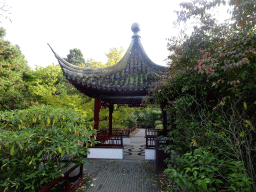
x=135 y=72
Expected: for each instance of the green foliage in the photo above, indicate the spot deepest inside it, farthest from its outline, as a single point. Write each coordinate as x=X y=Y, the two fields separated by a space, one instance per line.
x=114 y=55
x=243 y=13
x=119 y=116
x=47 y=85
x=149 y=117
x=31 y=135
x=228 y=132
x=75 y=57
x=95 y=64
x=2 y=32
x=12 y=66
x=201 y=170
x=210 y=92
x=132 y=119
x=45 y=82
x=122 y=117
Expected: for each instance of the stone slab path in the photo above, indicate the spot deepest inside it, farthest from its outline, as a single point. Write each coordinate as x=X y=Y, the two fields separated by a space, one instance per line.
x=136 y=149
x=121 y=175
x=131 y=174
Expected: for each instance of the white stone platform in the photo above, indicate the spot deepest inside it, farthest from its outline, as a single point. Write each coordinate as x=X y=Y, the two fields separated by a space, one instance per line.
x=105 y=153
x=134 y=148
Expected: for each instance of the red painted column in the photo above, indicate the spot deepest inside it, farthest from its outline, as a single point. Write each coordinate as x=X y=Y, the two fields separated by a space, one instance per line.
x=97 y=106
x=111 y=109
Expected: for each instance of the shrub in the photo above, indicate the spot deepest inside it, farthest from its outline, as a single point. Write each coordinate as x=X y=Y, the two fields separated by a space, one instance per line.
x=202 y=170
x=227 y=130
x=28 y=137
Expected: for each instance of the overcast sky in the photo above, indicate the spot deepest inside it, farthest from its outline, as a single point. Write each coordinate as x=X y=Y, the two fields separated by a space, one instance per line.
x=93 y=26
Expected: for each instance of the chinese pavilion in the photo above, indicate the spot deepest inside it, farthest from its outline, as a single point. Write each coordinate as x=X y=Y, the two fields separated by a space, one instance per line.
x=126 y=82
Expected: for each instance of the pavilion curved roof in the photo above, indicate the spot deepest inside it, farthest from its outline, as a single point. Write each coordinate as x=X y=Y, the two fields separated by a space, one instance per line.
x=132 y=76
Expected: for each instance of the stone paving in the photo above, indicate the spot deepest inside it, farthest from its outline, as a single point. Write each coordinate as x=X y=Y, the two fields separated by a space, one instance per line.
x=136 y=149
x=121 y=175
x=131 y=174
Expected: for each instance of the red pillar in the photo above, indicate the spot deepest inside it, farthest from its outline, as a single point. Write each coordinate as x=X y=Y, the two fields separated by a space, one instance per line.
x=111 y=109
x=97 y=106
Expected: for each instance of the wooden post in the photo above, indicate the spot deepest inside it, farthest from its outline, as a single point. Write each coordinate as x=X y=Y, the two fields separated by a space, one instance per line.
x=111 y=109
x=81 y=171
x=164 y=115
x=97 y=106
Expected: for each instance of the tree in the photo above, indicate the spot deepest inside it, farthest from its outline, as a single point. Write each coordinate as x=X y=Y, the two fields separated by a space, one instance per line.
x=210 y=92
x=13 y=94
x=75 y=57
x=2 y=32
x=243 y=14
x=114 y=55
x=44 y=82
x=95 y=64
x=47 y=85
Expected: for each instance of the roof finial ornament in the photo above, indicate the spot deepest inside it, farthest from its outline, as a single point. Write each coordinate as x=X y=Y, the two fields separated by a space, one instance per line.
x=135 y=28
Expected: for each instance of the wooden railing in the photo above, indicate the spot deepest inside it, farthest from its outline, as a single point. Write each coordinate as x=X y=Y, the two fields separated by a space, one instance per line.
x=151 y=132
x=109 y=141
x=114 y=140
x=66 y=187
x=117 y=132
x=150 y=135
